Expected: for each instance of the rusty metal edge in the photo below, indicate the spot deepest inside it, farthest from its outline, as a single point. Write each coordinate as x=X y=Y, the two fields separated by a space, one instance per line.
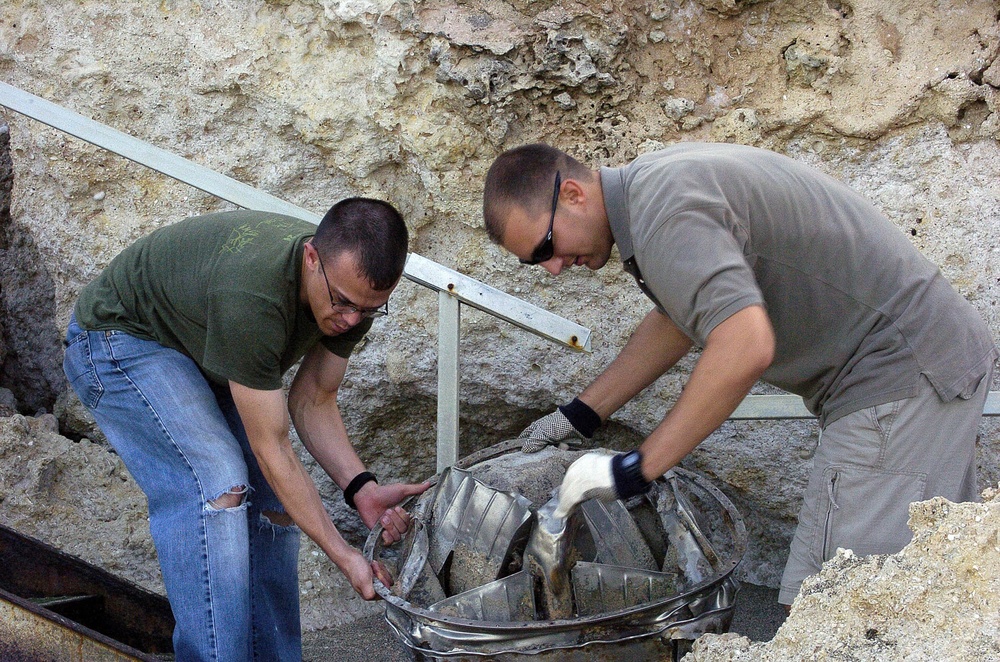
x=56 y=620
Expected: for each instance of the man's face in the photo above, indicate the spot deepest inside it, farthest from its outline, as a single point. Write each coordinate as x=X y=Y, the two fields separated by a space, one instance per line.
x=336 y=292
x=574 y=241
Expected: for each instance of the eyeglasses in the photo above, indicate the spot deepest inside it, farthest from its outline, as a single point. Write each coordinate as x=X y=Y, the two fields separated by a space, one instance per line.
x=545 y=250
x=345 y=308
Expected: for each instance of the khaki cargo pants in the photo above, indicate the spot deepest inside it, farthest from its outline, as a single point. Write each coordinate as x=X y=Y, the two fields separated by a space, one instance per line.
x=871 y=464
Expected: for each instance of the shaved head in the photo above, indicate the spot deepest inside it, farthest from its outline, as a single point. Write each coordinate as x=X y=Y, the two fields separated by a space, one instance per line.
x=523 y=177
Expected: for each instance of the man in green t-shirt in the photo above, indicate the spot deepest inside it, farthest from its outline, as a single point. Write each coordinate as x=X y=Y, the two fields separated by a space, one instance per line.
x=779 y=273
x=178 y=348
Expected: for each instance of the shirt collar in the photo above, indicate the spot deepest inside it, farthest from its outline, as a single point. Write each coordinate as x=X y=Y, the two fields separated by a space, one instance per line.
x=613 y=187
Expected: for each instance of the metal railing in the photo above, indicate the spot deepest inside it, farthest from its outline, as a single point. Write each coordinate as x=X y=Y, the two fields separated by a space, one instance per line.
x=777 y=407
x=454 y=288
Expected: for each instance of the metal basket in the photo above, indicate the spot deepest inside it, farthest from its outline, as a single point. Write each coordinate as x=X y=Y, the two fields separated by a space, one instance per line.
x=479 y=574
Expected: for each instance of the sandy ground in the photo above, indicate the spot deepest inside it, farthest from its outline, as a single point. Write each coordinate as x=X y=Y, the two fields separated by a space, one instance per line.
x=757 y=616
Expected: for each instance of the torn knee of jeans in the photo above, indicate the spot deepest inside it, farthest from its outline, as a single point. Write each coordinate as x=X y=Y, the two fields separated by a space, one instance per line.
x=275 y=518
x=234 y=497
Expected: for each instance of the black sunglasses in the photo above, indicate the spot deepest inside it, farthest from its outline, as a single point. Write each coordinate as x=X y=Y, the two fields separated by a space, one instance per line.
x=545 y=250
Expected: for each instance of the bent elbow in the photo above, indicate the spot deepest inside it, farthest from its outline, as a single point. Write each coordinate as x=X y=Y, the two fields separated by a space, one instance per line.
x=764 y=349
x=765 y=354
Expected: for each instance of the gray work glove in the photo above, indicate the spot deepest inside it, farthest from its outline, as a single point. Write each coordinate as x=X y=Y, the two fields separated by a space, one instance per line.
x=575 y=419
x=601 y=476
x=547 y=430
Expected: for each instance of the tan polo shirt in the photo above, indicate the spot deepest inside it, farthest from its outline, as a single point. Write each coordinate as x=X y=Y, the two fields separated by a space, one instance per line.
x=859 y=314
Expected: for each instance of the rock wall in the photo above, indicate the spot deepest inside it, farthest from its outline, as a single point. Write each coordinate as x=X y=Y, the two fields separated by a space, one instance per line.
x=6 y=184
x=314 y=100
x=936 y=599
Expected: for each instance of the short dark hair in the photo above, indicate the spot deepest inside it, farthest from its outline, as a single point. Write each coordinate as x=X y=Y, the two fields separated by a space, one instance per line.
x=524 y=177
x=371 y=229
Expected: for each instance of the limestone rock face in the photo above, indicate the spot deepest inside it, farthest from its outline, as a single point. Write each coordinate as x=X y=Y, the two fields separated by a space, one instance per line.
x=76 y=496
x=313 y=100
x=6 y=184
x=936 y=599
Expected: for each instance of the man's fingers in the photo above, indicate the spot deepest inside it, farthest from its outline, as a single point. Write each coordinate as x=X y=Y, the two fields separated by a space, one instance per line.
x=532 y=445
x=379 y=571
x=398 y=492
x=394 y=522
x=414 y=489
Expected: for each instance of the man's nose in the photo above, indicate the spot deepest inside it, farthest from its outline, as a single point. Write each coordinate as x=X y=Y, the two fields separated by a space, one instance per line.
x=556 y=265
x=553 y=265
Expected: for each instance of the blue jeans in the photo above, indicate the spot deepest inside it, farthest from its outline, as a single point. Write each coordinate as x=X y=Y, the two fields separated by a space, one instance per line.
x=231 y=575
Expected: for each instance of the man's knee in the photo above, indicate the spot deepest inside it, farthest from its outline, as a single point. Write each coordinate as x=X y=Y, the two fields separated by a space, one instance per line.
x=232 y=498
x=276 y=518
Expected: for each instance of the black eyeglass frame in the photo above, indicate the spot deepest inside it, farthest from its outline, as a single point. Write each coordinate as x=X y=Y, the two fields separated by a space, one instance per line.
x=344 y=308
x=545 y=250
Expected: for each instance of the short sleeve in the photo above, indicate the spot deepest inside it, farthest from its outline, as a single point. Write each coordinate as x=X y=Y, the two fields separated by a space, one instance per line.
x=345 y=343
x=695 y=266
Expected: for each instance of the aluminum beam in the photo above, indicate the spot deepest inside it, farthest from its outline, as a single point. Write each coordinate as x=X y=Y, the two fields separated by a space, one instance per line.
x=449 y=322
x=495 y=302
x=766 y=407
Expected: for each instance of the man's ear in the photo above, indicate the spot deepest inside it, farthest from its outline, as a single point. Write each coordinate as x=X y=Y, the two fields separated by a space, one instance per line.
x=309 y=254
x=572 y=192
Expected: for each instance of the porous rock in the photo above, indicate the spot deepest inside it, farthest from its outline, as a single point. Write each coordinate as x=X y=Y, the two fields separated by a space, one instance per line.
x=410 y=101
x=936 y=599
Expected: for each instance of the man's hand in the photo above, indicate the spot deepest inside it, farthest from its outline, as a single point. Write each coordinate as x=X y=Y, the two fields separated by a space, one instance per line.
x=361 y=572
x=589 y=477
x=380 y=503
x=601 y=476
x=575 y=419
x=548 y=430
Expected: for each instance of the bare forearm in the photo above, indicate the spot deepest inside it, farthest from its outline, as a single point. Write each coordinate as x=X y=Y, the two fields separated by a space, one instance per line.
x=265 y=419
x=312 y=403
x=654 y=347
x=315 y=421
x=736 y=355
x=291 y=483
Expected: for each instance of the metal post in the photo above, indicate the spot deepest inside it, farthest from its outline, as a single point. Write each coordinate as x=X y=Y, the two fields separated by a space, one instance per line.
x=449 y=318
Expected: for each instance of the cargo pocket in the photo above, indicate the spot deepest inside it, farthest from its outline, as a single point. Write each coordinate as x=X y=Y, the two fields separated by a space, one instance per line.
x=79 y=367
x=867 y=509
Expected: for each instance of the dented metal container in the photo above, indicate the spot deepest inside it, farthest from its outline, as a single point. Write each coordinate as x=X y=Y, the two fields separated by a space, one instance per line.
x=487 y=572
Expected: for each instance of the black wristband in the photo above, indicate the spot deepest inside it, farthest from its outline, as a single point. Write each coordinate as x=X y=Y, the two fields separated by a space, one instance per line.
x=356 y=484
x=626 y=468
x=582 y=417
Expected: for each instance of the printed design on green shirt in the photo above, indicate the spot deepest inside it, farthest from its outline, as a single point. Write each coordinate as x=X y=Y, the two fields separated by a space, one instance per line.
x=239 y=238
x=243 y=235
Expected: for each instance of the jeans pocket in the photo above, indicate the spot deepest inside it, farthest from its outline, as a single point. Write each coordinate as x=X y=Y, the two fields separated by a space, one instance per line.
x=78 y=364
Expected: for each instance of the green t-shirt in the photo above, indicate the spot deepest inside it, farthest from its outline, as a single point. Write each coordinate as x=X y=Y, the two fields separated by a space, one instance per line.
x=223 y=289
